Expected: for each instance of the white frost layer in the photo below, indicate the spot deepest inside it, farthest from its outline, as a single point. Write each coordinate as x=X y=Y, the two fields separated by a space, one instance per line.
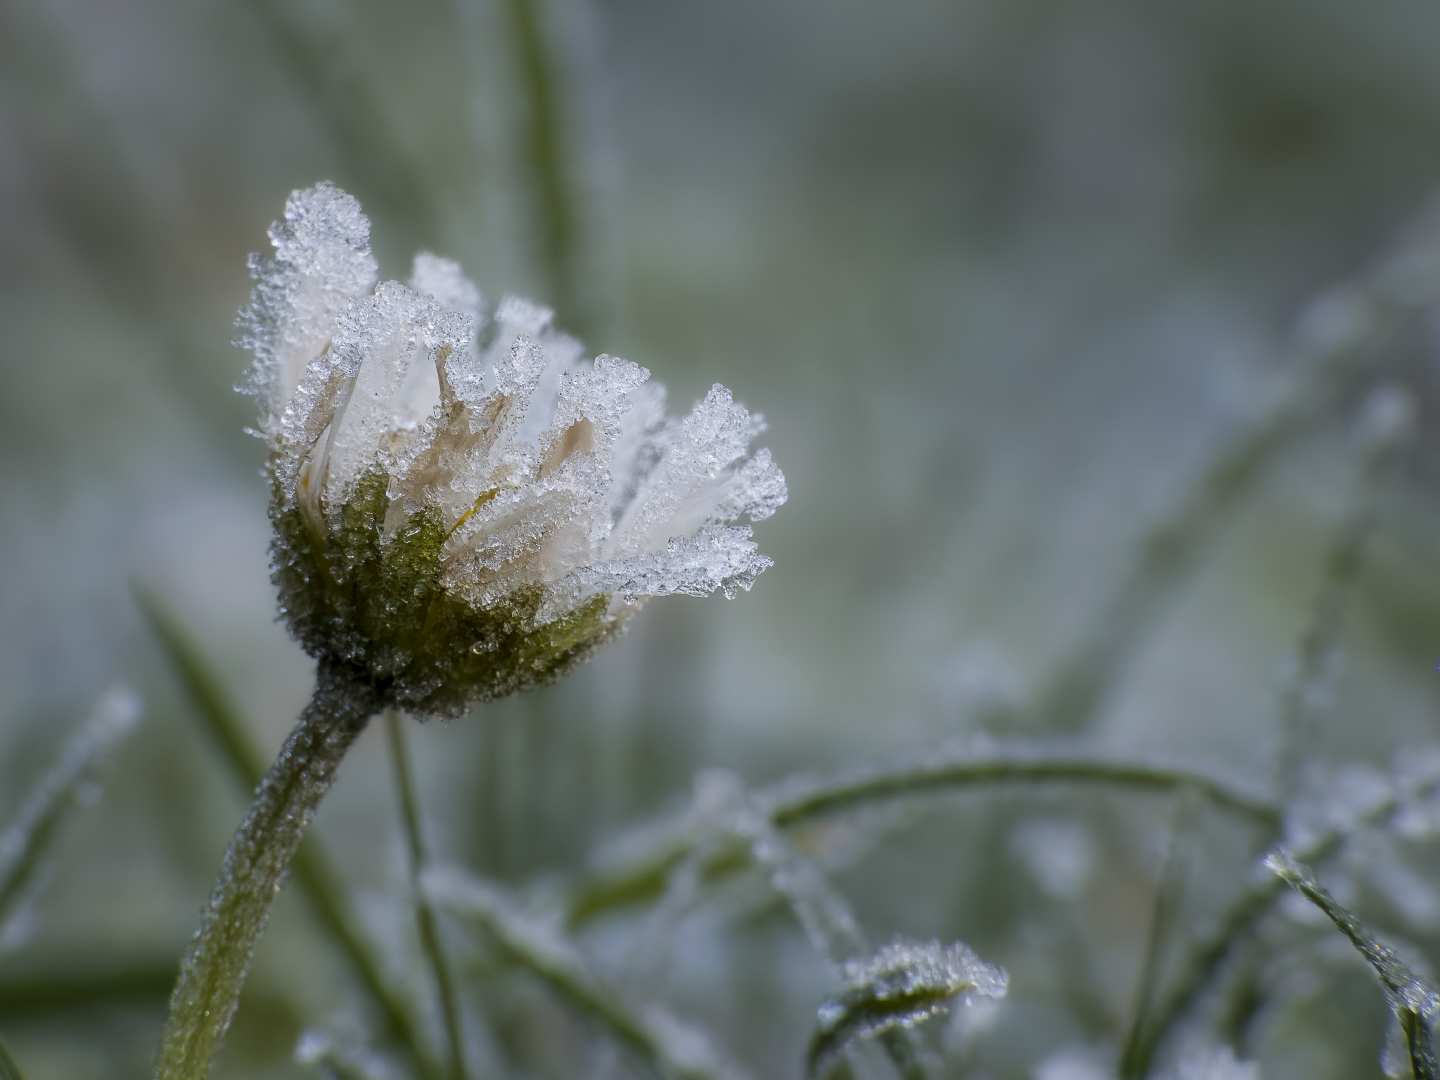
x=549 y=470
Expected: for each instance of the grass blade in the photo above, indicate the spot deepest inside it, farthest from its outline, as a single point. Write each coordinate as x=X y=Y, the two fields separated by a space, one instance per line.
x=657 y=1039
x=424 y=912
x=1412 y=999
x=25 y=841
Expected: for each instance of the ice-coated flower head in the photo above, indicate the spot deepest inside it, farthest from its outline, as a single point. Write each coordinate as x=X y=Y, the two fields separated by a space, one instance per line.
x=466 y=507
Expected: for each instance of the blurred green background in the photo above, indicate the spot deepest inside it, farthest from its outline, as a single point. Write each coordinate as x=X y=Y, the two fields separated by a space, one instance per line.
x=1001 y=274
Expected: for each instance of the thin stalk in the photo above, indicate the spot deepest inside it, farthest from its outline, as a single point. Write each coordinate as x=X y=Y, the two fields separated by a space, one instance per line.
x=1409 y=997
x=1205 y=958
x=424 y=912
x=313 y=870
x=556 y=222
x=822 y=912
x=1162 y=923
x=645 y=877
x=253 y=870
x=660 y=1042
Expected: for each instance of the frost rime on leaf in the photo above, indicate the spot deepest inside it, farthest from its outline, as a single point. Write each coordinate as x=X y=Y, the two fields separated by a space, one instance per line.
x=1413 y=1002
x=902 y=984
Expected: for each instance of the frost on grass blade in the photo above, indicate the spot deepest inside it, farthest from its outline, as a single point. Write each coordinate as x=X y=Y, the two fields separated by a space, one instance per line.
x=1413 y=1001
x=23 y=844
x=901 y=985
x=673 y=1049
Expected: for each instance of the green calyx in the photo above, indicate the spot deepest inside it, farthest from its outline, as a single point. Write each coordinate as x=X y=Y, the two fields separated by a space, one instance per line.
x=357 y=596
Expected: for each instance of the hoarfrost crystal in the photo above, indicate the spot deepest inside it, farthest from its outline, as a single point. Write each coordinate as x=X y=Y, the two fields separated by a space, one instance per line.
x=464 y=510
x=900 y=985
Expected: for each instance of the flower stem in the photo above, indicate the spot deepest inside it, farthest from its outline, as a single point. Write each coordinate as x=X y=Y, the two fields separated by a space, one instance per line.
x=253 y=870
x=424 y=912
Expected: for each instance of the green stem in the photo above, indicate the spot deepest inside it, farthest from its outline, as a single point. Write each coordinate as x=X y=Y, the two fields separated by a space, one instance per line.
x=645 y=877
x=312 y=868
x=1162 y=920
x=669 y=1052
x=1410 y=997
x=424 y=911
x=253 y=870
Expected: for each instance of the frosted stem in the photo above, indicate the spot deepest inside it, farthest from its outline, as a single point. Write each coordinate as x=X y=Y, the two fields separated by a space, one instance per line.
x=424 y=912
x=253 y=871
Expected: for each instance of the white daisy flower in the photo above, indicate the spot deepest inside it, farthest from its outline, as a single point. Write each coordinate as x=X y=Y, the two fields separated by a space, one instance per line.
x=465 y=506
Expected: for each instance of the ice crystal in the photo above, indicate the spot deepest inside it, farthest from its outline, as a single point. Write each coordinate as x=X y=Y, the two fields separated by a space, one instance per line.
x=460 y=516
x=898 y=986
x=1414 y=1002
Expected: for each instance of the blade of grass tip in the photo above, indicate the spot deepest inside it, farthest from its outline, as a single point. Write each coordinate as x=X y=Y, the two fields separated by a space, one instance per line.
x=8 y=1069
x=311 y=869
x=1162 y=921
x=29 y=835
x=1410 y=997
x=1207 y=957
x=1345 y=330
x=424 y=912
x=556 y=222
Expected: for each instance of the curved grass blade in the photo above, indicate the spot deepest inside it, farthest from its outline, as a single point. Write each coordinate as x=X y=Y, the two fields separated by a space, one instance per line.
x=659 y=1040
x=24 y=843
x=1413 y=1001
x=791 y=803
x=424 y=912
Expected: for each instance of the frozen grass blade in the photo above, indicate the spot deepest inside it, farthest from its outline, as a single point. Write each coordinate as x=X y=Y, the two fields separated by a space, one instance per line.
x=664 y=1045
x=1412 y=1000
x=795 y=802
x=886 y=992
x=424 y=912
x=311 y=868
x=901 y=985
x=1162 y=923
x=23 y=845
x=1347 y=327
x=1204 y=959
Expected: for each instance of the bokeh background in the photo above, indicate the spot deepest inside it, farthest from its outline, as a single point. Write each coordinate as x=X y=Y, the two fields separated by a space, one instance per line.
x=1003 y=275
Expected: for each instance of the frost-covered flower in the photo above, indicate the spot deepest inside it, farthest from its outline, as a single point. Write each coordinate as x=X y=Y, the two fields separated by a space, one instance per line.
x=465 y=507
